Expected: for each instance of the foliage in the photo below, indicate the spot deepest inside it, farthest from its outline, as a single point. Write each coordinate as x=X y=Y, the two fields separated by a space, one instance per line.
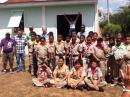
x=122 y=18
x=113 y=28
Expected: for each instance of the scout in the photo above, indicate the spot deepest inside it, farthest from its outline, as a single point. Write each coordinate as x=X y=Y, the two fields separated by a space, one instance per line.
x=60 y=51
x=77 y=75
x=60 y=74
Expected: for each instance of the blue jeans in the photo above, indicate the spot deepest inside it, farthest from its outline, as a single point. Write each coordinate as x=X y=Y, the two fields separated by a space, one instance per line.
x=20 y=59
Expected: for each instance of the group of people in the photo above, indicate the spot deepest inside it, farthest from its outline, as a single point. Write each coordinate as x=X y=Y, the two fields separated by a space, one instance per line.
x=82 y=60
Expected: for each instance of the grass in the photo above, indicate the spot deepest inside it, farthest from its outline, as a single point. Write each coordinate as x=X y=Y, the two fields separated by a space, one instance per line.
x=20 y=85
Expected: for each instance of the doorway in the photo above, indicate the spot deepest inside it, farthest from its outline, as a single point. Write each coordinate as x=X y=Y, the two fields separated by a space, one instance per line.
x=63 y=25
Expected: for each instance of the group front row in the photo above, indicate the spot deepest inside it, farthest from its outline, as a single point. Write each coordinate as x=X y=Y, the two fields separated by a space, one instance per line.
x=76 y=78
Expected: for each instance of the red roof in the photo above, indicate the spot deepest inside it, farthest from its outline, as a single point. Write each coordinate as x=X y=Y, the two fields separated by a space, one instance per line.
x=27 y=1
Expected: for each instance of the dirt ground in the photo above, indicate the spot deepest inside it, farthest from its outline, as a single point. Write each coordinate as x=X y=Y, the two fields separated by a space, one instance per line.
x=20 y=85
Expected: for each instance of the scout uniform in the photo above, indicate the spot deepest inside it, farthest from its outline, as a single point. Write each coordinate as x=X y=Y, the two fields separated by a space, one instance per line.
x=31 y=45
x=95 y=76
x=60 y=73
x=66 y=47
x=44 y=77
x=75 y=76
x=32 y=56
x=119 y=53
x=74 y=54
x=81 y=50
x=51 y=55
x=127 y=54
x=99 y=53
x=88 y=54
x=42 y=53
x=60 y=50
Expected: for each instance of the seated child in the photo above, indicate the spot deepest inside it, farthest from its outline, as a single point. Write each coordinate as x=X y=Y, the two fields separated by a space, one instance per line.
x=94 y=77
x=60 y=74
x=77 y=75
x=44 y=75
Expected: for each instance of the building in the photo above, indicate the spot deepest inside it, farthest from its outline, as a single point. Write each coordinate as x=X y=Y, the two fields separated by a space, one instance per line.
x=50 y=13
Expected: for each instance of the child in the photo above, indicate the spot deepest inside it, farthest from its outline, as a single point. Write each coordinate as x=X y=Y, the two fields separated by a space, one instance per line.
x=66 y=47
x=44 y=75
x=60 y=74
x=94 y=77
x=42 y=51
x=81 y=50
x=76 y=76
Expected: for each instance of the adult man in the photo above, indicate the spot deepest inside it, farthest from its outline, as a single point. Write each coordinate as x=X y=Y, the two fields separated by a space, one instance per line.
x=8 y=46
x=82 y=31
x=72 y=23
x=20 y=51
x=28 y=35
x=44 y=33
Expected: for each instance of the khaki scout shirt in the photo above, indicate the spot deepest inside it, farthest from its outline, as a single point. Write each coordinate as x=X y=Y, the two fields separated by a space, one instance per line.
x=60 y=48
x=74 y=74
x=42 y=51
x=98 y=52
x=96 y=75
x=61 y=72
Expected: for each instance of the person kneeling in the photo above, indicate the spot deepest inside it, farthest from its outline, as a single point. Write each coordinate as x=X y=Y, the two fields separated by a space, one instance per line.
x=44 y=75
x=94 y=77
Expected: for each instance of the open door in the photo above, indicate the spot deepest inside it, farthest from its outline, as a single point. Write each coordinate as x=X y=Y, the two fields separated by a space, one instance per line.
x=63 y=26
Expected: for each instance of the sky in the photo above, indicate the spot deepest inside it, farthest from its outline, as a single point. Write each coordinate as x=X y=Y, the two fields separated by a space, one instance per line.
x=114 y=4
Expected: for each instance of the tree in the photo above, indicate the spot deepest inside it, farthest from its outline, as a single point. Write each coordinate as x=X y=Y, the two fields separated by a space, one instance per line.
x=113 y=28
x=122 y=18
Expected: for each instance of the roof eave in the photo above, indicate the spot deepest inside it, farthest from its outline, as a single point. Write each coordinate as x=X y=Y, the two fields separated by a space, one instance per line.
x=13 y=5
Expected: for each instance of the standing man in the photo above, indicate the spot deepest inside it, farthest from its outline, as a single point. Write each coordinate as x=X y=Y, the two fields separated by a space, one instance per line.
x=20 y=51
x=31 y=31
x=82 y=31
x=44 y=33
x=72 y=23
x=8 y=46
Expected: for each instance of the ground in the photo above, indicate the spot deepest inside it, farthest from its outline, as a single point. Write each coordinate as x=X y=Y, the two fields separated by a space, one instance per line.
x=20 y=85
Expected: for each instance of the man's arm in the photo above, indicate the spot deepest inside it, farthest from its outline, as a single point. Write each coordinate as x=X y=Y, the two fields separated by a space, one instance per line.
x=76 y=18
x=67 y=19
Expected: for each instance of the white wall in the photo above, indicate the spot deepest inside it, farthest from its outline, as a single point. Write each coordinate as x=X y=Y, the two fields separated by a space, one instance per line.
x=32 y=17
x=87 y=11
